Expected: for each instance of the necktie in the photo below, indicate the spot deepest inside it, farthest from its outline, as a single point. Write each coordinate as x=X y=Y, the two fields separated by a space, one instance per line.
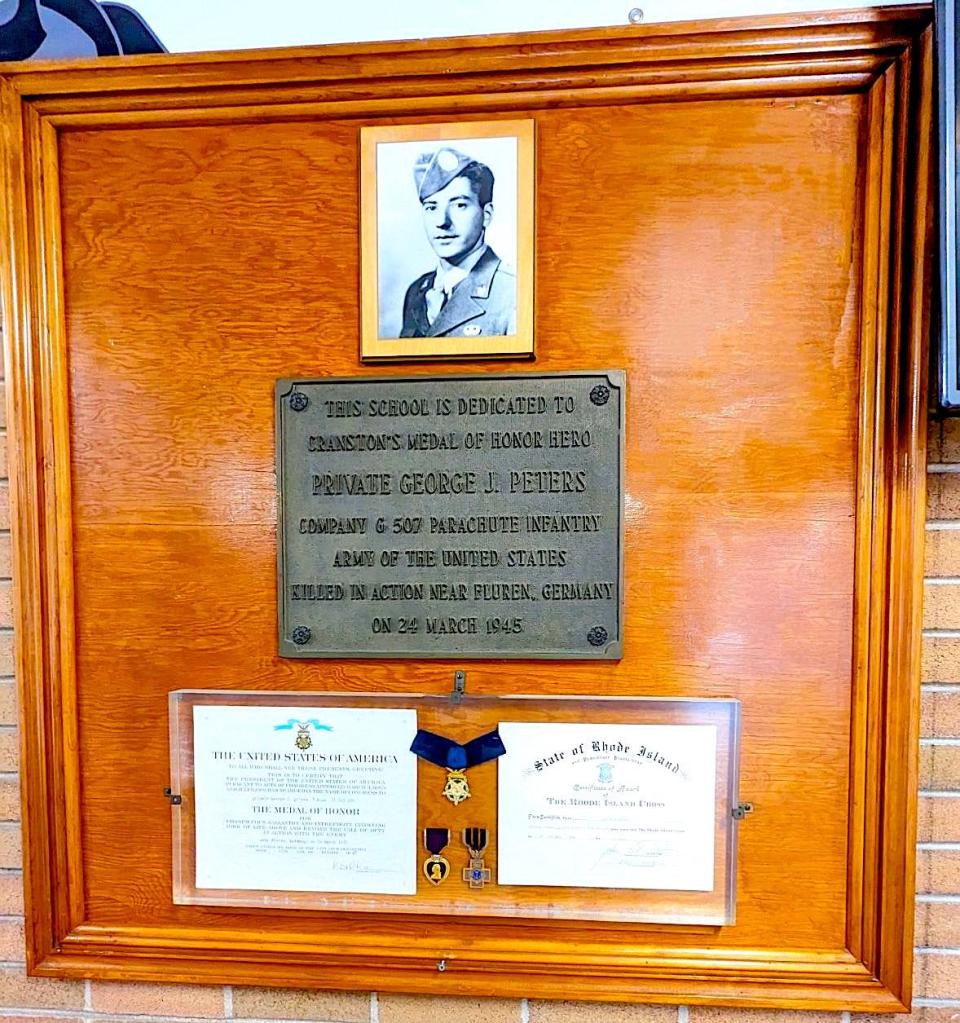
x=436 y=299
x=443 y=285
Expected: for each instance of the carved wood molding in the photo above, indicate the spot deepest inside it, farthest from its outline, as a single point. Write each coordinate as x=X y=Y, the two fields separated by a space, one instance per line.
x=884 y=53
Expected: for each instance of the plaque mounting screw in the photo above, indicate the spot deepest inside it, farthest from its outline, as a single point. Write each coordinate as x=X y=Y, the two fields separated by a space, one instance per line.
x=597 y=636
x=600 y=395
x=635 y=16
x=299 y=401
x=301 y=635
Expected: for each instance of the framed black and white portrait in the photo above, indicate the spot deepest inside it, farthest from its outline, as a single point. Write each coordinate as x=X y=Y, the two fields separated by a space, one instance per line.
x=447 y=240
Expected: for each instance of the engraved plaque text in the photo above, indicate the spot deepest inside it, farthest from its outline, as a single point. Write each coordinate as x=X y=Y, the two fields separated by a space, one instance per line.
x=454 y=516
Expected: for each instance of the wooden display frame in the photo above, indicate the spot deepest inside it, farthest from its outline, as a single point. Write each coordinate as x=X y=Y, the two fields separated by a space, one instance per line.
x=884 y=55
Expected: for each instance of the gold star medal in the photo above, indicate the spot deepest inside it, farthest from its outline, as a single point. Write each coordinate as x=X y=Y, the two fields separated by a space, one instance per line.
x=455 y=758
x=457 y=788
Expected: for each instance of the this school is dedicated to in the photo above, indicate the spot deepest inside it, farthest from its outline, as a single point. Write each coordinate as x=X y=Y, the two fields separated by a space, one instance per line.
x=474 y=515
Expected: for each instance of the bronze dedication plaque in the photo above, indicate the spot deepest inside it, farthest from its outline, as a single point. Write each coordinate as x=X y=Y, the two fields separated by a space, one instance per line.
x=453 y=516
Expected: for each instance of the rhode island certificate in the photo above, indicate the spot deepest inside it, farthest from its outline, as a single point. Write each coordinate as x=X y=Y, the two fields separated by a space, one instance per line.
x=607 y=806
x=305 y=799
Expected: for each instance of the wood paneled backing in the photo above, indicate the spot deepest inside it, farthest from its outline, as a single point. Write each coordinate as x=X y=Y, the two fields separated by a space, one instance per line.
x=707 y=248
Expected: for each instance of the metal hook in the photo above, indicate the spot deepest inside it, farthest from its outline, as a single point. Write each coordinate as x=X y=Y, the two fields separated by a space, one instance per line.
x=459 y=687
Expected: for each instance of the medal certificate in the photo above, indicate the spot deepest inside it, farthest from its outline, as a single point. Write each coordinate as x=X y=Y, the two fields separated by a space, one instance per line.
x=608 y=806
x=307 y=799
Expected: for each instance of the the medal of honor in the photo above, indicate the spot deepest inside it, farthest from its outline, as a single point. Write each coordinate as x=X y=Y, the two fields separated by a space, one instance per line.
x=456 y=758
x=457 y=788
x=303 y=740
x=435 y=867
x=476 y=874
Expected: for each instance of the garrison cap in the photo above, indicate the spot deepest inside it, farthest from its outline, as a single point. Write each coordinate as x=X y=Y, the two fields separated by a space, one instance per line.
x=436 y=170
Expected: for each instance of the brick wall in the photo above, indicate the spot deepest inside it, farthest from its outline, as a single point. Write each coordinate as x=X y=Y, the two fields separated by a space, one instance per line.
x=937 y=969
x=938 y=883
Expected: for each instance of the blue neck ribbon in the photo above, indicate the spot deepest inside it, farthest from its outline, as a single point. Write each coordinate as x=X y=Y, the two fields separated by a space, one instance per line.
x=444 y=752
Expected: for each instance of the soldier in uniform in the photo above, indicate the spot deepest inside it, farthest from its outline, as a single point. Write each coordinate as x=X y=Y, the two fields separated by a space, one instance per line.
x=471 y=293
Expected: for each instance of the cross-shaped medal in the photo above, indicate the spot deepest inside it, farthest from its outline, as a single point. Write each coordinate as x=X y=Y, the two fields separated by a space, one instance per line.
x=475 y=839
x=476 y=875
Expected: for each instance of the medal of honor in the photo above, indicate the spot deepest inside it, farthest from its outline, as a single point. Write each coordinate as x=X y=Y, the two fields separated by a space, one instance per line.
x=457 y=788
x=303 y=740
x=476 y=874
x=456 y=758
x=435 y=867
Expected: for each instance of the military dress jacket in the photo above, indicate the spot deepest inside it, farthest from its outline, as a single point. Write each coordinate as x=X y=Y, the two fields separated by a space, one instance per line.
x=483 y=304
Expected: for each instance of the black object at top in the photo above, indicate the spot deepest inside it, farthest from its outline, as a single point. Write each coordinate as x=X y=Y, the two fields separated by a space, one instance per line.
x=444 y=752
x=74 y=28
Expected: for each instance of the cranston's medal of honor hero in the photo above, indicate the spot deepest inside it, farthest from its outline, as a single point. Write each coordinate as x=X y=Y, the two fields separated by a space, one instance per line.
x=456 y=758
x=435 y=867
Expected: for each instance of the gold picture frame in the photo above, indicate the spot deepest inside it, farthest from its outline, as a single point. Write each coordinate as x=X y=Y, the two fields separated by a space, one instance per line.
x=402 y=248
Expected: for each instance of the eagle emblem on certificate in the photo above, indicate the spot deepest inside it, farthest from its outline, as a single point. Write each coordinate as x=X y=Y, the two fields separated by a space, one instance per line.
x=303 y=740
